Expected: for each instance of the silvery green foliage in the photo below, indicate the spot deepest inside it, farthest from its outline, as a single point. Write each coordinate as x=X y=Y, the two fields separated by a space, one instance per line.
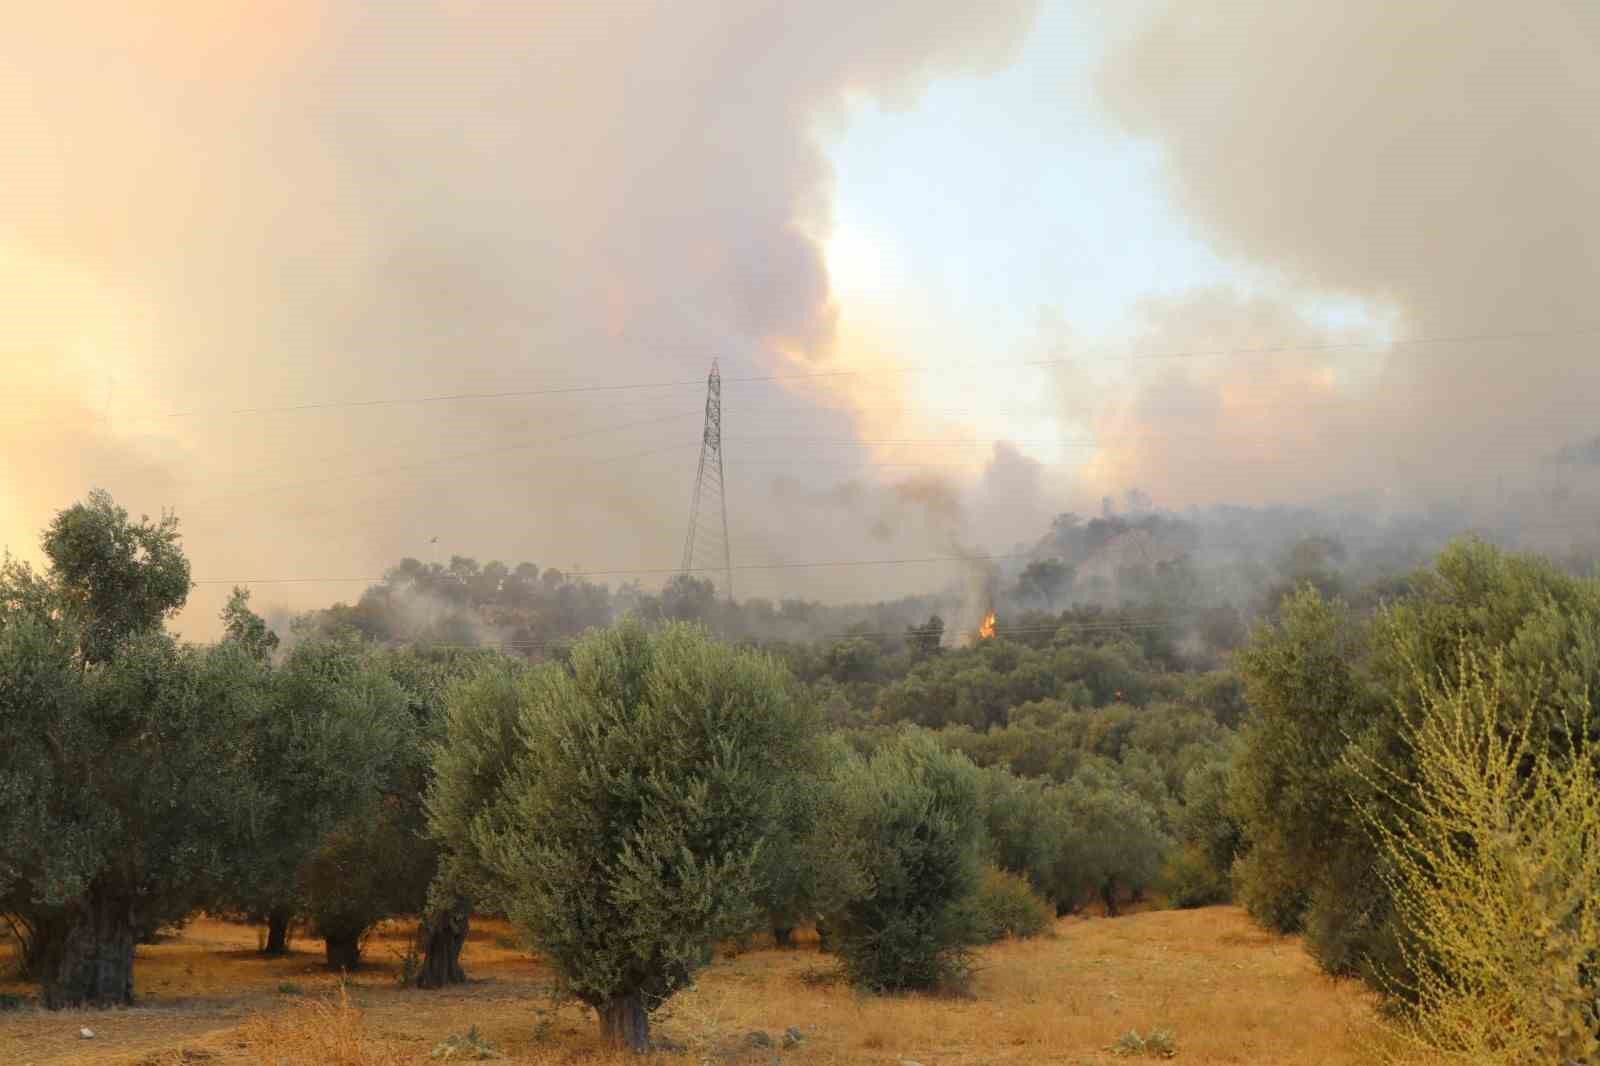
x=126 y=778
x=124 y=789
x=326 y=753
x=804 y=874
x=1113 y=841
x=620 y=821
x=471 y=762
x=915 y=832
x=112 y=575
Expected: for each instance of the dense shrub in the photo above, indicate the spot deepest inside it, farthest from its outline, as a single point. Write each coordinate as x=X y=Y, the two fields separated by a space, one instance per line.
x=1328 y=693
x=913 y=828
x=1024 y=826
x=1005 y=905
x=802 y=874
x=1114 y=843
x=1271 y=890
x=1190 y=880
x=1199 y=870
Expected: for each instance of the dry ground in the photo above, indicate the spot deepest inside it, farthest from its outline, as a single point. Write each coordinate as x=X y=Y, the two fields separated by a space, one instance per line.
x=1229 y=992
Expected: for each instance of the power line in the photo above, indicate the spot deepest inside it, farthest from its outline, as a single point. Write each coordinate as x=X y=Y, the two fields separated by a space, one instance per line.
x=752 y=379
x=580 y=461
x=455 y=457
x=1202 y=544
x=655 y=570
x=1131 y=625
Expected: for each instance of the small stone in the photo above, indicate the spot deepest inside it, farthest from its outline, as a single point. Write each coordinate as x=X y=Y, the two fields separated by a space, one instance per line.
x=792 y=1036
x=909 y=1062
x=85 y=1034
x=759 y=1039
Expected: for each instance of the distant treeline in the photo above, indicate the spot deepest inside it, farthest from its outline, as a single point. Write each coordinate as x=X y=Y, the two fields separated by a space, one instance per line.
x=1198 y=581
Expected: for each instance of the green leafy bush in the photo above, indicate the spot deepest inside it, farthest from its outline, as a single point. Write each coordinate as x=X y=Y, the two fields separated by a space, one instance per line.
x=802 y=874
x=1005 y=905
x=1190 y=880
x=1329 y=692
x=1156 y=1044
x=915 y=831
x=465 y=1047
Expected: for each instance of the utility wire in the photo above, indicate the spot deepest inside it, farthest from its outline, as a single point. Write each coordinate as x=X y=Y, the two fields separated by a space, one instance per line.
x=1202 y=544
x=913 y=630
x=478 y=453
x=658 y=569
x=699 y=382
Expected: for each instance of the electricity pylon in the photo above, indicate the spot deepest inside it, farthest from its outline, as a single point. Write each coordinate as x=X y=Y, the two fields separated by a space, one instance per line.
x=706 y=550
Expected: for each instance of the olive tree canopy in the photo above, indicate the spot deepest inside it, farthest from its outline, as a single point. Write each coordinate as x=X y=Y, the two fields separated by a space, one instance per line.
x=625 y=836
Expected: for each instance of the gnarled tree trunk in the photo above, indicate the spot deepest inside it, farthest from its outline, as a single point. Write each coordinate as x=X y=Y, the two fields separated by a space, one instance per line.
x=85 y=959
x=28 y=945
x=344 y=951
x=624 y=1023
x=277 y=932
x=443 y=934
x=1108 y=893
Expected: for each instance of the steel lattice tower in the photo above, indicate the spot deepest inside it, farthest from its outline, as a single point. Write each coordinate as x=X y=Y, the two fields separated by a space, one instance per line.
x=706 y=549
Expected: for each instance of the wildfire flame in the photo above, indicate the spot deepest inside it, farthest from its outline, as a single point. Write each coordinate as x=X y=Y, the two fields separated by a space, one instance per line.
x=986 y=630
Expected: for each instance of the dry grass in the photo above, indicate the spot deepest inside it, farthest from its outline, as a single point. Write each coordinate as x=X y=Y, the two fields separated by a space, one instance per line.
x=1229 y=993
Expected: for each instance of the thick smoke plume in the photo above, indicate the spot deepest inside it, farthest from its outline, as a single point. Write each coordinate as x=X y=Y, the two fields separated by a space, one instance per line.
x=242 y=205
x=1436 y=163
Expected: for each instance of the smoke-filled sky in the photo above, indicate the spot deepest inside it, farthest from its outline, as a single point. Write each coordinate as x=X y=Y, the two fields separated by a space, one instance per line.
x=992 y=261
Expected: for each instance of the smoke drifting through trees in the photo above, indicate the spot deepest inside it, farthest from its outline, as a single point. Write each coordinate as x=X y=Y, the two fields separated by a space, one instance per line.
x=1191 y=582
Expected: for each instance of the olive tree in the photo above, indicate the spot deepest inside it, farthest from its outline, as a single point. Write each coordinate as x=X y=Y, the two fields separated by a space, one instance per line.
x=114 y=576
x=125 y=781
x=1328 y=691
x=914 y=830
x=472 y=761
x=364 y=870
x=1113 y=840
x=804 y=874
x=640 y=782
x=123 y=795
x=325 y=751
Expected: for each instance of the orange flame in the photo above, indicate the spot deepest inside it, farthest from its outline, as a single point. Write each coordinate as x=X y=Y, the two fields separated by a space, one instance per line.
x=986 y=630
